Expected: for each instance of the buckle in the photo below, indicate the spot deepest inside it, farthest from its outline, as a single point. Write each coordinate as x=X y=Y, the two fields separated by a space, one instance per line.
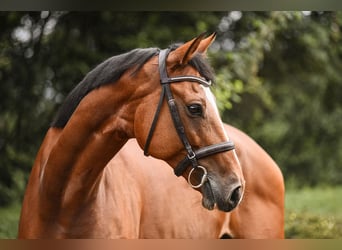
x=191 y=155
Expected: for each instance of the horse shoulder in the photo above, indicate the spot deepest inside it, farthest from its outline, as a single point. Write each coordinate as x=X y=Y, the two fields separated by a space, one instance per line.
x=121 y=194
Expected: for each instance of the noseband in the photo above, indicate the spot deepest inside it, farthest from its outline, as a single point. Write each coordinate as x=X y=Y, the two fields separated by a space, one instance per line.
x=192 y=155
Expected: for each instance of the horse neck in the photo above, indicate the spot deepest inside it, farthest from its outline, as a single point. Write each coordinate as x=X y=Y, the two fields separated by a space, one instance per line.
x=72 y=159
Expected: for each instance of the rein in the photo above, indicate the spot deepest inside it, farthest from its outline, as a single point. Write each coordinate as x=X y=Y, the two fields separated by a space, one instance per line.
x=192 y=155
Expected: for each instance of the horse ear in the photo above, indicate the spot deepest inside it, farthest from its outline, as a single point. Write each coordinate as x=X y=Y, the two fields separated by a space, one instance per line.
x=205 y=43
x=183 y=54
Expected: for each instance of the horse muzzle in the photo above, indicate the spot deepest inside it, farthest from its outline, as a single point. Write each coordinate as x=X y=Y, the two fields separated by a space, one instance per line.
x=225 y=200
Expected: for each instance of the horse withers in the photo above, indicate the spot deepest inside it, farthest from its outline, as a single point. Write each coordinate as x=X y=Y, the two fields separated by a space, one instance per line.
x=161 y=98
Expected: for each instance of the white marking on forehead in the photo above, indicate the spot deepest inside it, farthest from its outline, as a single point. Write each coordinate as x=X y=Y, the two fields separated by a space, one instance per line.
x=211 y=98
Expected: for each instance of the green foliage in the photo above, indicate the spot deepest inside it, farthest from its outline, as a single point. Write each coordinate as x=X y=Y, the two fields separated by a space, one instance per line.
x=313 y=213
x=290 y=66
x=308 y=226
x=9 y=217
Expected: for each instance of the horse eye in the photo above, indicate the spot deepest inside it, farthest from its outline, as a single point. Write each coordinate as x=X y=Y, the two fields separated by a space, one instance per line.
x=195 y=109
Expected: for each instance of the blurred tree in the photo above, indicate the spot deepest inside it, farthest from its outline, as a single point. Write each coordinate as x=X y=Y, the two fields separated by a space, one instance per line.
x=290 y=66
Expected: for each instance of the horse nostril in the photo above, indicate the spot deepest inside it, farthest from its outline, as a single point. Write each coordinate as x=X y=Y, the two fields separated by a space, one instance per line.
x=235 y=197
x=231 y=200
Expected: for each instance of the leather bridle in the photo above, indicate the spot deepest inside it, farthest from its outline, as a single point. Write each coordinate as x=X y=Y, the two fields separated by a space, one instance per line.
x=192 y=155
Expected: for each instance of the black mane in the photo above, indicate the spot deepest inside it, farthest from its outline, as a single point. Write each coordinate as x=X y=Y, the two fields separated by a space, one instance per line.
x=110 y=71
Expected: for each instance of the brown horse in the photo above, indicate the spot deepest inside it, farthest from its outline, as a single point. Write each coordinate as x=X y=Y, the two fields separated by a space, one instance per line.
x=161 y=98
x=155 y=204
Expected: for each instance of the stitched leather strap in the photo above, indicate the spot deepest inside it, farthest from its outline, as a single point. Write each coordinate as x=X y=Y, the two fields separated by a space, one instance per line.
x=154 y=123
x=202 y=153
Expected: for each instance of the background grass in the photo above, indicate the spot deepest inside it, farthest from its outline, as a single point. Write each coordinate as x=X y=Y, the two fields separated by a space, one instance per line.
x=310 y=213
x=9 y=217
x=314 y=213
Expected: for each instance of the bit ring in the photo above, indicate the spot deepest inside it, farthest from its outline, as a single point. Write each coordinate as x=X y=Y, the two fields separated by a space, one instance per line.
x=203 y=179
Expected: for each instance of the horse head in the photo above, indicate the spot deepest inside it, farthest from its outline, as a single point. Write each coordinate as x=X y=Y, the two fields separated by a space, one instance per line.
x=178 y=122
